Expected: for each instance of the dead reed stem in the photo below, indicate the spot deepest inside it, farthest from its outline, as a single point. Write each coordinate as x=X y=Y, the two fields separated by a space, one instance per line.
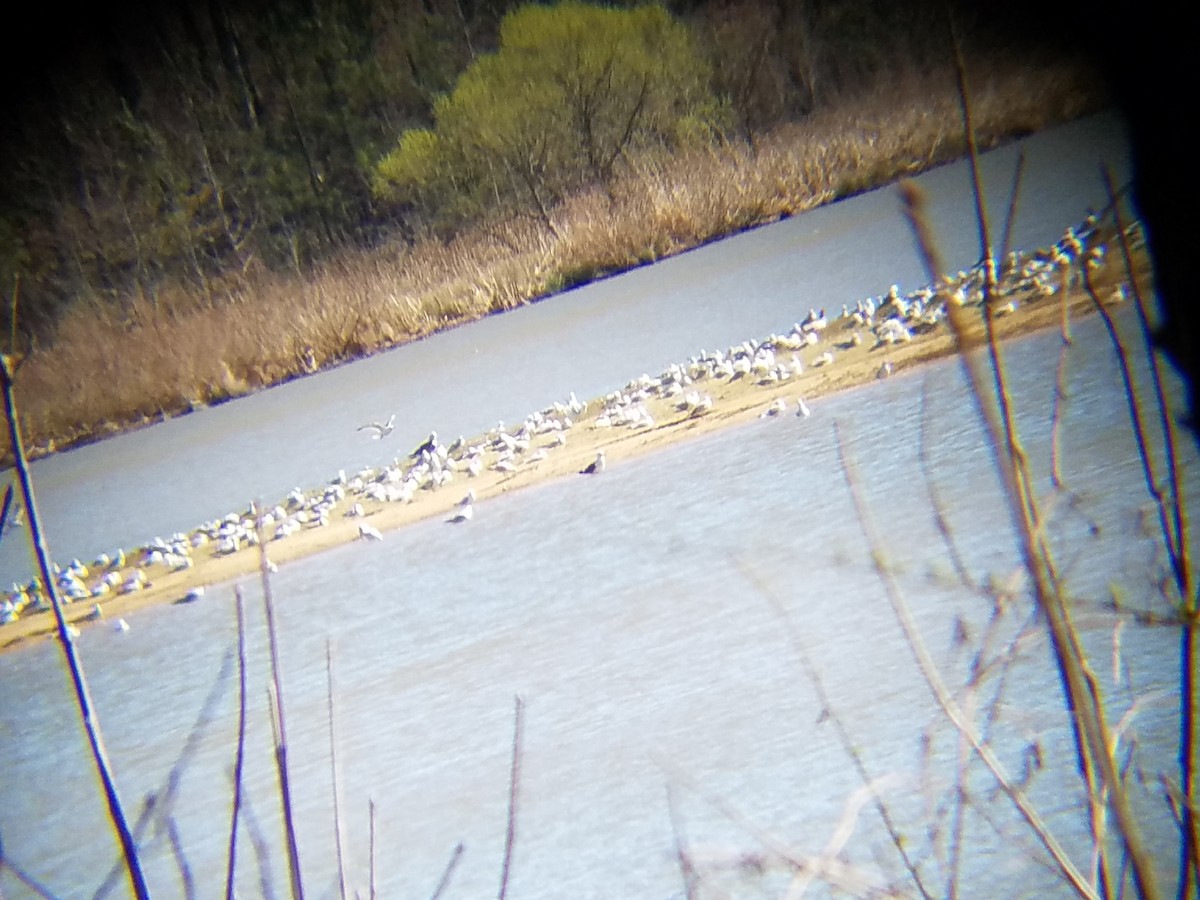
x=1081 y=691
x=1189 y=866
x=1014 y=196
x=1180 y=560
x=687 y=869
x=940 y=520
x=941 y=694
x=514 y=785
x=279 y=722
x=27 y=880
x=187 y=880
x=262 y=852
x=83 y=698
x=338 y=825
x=448 y=872
x=239 y=759
x=849 y=747
x=371 y=849
x=838 y=874
x=1060 y=390
x=5 y=507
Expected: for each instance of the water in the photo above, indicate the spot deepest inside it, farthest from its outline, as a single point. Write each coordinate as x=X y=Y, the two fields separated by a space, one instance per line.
x=660 y=624
x=176 y=475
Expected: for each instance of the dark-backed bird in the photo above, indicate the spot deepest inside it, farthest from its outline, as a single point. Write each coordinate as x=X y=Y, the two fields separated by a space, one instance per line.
x=596 y=467
x=464 y=514
x=430 y=446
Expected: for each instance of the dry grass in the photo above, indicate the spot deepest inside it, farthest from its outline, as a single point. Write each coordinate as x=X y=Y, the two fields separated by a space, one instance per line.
x=112 y=368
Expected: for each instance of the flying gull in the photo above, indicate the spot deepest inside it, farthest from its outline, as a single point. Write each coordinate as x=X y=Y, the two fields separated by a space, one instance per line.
x=381 y=429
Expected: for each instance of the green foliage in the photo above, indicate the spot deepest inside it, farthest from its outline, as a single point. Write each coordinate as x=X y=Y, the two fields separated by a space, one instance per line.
x=573 y=89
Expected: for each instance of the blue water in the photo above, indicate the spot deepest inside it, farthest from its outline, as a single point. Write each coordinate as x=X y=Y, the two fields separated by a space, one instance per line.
x=671 y=628
x=173 y=476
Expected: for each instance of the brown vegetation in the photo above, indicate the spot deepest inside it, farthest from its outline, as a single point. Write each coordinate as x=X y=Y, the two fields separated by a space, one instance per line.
x=111 y=367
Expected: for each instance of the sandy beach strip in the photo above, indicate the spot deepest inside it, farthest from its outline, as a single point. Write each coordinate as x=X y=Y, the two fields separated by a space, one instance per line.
x=734 y=402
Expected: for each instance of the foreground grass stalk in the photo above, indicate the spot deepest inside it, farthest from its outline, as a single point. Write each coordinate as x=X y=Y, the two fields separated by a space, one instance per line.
x=1181 y=562
x=1189 y=866
x=687 y=870
x=82 y=696
x=448 y=872
x=239 y=760
x=280 y=728
x=338 y=826
x=945 y=700
x=849 y=747
x=1092 y=736
x=514 y=786
x=372 y=893
x=1060 y=394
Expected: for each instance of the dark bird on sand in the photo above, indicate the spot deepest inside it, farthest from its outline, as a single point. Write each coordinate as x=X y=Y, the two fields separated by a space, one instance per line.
x=594 y=468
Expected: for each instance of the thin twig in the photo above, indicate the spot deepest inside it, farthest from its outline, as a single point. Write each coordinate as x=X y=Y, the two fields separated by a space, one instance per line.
x=686 y=868
x=338 y=827
x=933 y=680
x=371 y=848
x=1013 y=199
x=185 y=870
x=27 y=880
x=83 y=697
x=838 y=874
x=262 y=852
x=1189 y=863
x=239 y=759
x=1081 y=689
x=451 y=865
x=514 y=784
x=828 y=712
x=940 y=520
x=4 y=509
x=1060 y=389
x=280 y=726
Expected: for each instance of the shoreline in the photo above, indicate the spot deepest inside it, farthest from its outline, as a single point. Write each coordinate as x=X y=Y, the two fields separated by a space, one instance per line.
x=658 y=418
x=111 y=368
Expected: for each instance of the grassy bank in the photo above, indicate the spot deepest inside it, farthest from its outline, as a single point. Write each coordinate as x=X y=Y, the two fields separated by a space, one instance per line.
x=111 y=368
x=847 y=355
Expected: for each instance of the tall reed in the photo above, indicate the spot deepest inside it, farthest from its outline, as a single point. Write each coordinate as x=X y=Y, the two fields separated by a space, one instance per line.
x=91 y=725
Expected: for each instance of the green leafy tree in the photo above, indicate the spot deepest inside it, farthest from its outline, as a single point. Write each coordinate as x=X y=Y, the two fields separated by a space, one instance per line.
x=573 y=90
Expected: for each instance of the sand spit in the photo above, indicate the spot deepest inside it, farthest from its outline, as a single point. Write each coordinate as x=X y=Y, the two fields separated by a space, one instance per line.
x=880 y=337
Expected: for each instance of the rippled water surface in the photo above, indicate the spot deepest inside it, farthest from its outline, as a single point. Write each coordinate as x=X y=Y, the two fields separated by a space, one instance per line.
x=174 y=476
x=694 y=622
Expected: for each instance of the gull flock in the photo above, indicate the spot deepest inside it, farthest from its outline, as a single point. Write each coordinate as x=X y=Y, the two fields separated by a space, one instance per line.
x=677 y=393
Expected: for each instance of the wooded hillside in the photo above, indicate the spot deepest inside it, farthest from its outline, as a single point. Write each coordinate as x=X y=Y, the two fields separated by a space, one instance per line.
x=166 y=153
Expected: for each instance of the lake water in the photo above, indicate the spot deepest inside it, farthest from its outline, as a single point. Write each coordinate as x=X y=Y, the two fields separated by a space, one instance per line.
x=666 y=625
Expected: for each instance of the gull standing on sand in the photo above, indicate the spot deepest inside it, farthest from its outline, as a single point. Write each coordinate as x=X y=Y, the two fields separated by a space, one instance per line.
x=369 y=532
x=802 y=410
x=381 y=429
x=596 y=467
x=778 y=406
x=430 y=446
x=465 y=514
